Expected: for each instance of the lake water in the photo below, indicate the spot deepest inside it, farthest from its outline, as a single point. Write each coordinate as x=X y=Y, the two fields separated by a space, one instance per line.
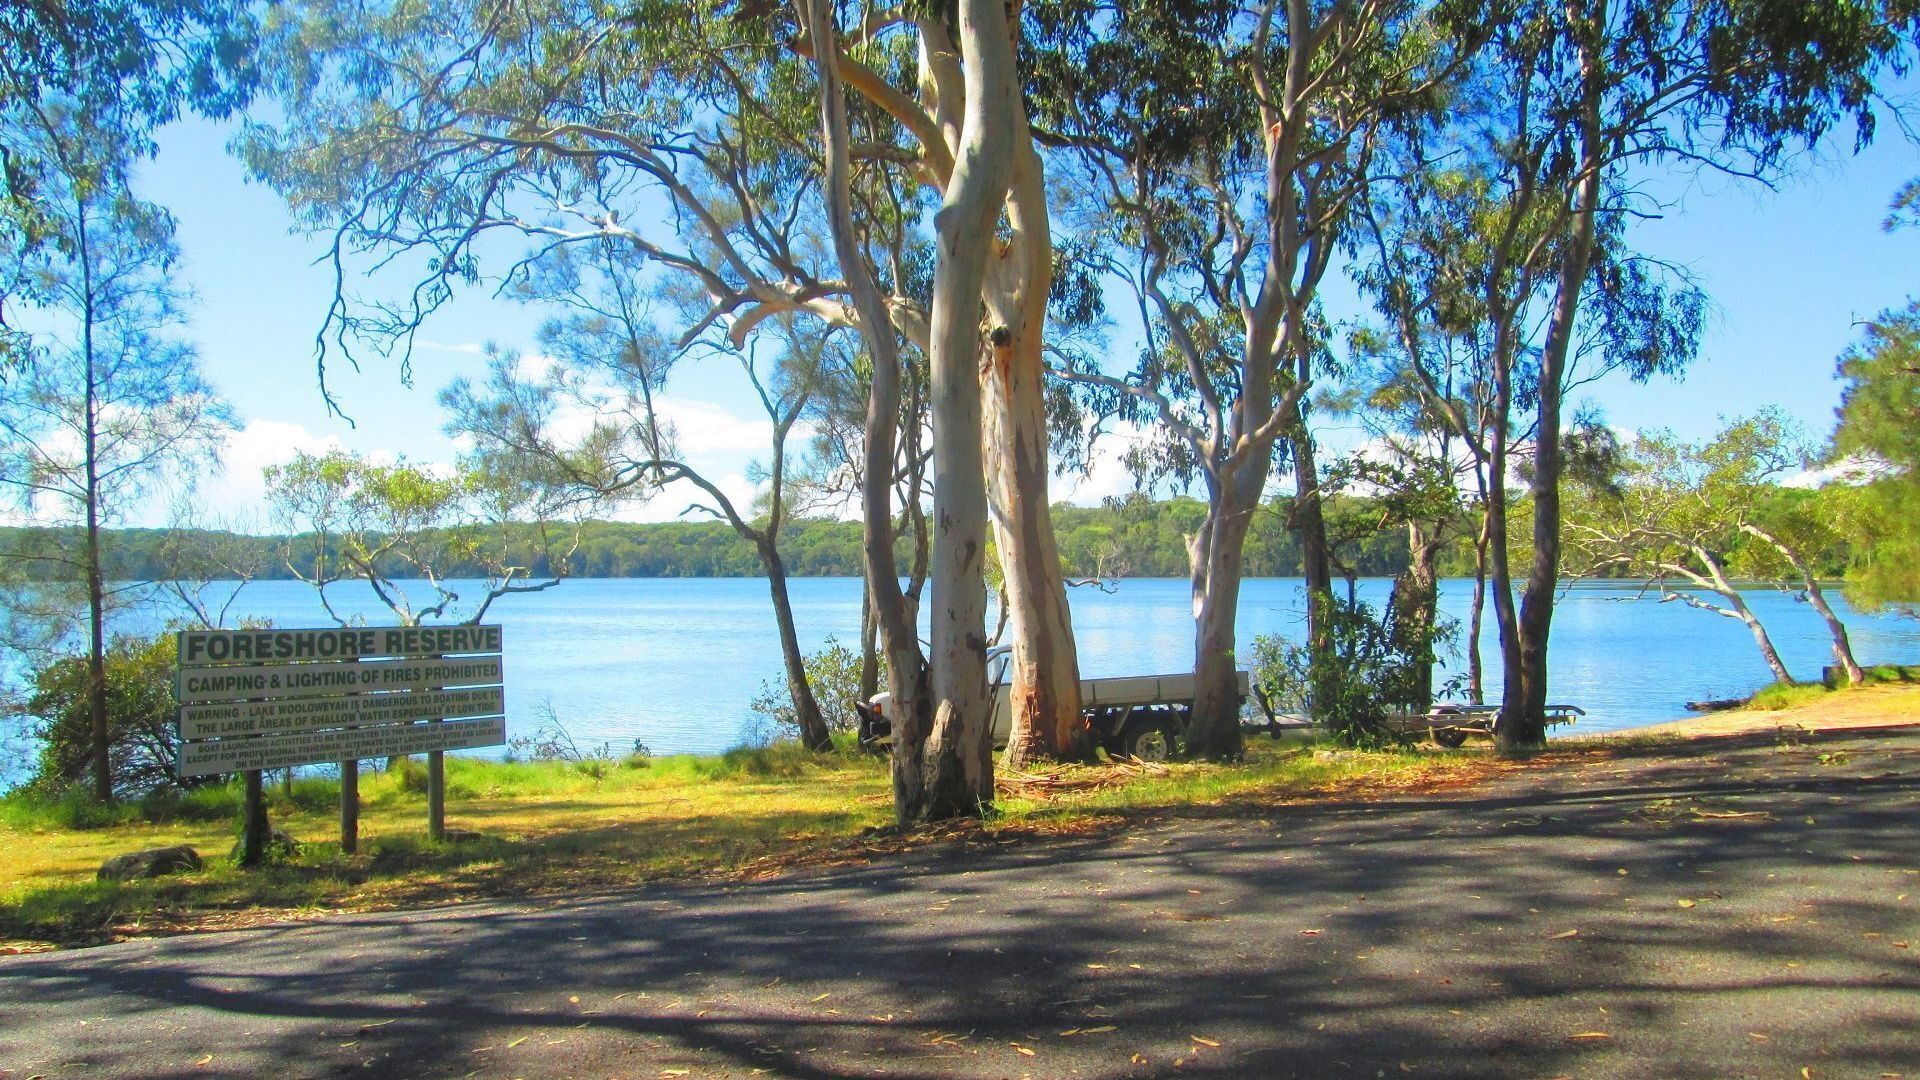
x=674 y=662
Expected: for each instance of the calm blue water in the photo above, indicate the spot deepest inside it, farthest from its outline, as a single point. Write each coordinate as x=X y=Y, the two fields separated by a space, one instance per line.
x=674 y=662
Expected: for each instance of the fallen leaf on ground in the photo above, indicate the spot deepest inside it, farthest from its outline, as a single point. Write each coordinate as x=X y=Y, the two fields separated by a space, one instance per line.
x=1203 y=1041
x=205 y=1060
x=1566 y=934
x=1309 y=933
x=1591 y=1035
x=1686 y=903
x=516 y=1042
x=1018 y=1049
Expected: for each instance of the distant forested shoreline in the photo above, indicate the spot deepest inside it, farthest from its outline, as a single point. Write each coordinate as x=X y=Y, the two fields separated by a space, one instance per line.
x=1132 y=537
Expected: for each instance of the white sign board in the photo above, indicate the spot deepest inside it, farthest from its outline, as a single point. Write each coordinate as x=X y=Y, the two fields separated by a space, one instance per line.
x=265 y=699
x=340 y=744
x=230 y=718
x=284 y=682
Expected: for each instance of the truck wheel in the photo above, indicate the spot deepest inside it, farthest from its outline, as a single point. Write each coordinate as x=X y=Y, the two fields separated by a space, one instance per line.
x=1453 y=738
x=1148 y=737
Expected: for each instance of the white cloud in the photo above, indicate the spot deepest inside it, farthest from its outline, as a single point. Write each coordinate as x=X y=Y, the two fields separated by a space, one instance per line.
x=704 y=427
x=673 y=503
x=533 y=366
x=1847 y=472
x=464 y=348
x=1109 y=476
x=237 y=490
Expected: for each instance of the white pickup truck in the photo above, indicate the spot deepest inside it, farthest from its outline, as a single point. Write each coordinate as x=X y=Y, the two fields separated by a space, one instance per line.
x=1138 y=716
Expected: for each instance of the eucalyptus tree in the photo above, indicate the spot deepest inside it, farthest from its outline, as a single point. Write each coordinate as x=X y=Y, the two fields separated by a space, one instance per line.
x=111 y=401
x=972 y=144
x=1412 y=466
x=1415 y=254
x=413 y=136
x=1577 y=97
x=663 y=147
x=1223 y=145
x=832 y=475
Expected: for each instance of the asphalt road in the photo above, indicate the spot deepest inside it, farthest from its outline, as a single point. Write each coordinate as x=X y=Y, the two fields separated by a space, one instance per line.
x=1741 y=908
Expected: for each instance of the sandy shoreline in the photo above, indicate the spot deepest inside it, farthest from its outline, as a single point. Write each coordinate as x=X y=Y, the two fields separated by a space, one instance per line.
x=1868 y=707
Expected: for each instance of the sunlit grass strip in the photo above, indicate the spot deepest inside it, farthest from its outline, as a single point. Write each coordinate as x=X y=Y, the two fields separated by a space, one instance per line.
x=553 y=827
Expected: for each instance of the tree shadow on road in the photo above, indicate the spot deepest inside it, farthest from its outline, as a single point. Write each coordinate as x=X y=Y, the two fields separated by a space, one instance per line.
x=1731 y=911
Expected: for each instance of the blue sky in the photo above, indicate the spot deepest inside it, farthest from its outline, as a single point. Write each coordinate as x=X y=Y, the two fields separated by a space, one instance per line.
x=1790 y=273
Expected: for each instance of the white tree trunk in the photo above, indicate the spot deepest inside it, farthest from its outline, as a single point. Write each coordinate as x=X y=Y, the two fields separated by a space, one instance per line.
x=1842 y=644
x=1736 y=608
x=1044 y=678
x=1216 y=553
x=958 y=760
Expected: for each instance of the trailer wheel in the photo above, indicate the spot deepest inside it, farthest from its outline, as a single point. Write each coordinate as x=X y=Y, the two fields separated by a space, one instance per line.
x=1149 y=736
x=1452 y=737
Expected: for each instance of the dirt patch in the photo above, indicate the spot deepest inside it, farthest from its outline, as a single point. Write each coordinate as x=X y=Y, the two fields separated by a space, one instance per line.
x=1867 y=707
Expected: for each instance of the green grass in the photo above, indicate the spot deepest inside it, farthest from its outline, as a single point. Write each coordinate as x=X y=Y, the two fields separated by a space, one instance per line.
x=1786 y=696
x=548 y=827
x=1795 y=695
x=1880 y=674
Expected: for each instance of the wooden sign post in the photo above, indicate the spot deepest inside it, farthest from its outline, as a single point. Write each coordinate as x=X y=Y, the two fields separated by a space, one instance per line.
x=266 y=699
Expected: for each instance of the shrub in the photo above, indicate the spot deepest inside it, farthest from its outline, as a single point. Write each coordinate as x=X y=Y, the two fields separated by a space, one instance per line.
x=833 y=673
x=1370 y=669
x=140 y=718
x=551 y=741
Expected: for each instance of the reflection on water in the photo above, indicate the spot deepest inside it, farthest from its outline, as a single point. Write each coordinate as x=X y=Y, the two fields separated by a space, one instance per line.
x=674 y=662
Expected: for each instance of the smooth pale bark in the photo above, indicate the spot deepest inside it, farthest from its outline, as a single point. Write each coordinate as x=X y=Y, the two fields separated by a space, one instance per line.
x=1044 y=677
x=1842 y=644
x=1239 y=449
x=1216 y=555
x=1717 y=582
x=958 y=760
x=907 y=674
x=1416 y=601
x=1761 y=639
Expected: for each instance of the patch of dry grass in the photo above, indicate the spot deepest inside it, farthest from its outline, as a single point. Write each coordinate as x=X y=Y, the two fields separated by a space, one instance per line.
x=566 y=828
